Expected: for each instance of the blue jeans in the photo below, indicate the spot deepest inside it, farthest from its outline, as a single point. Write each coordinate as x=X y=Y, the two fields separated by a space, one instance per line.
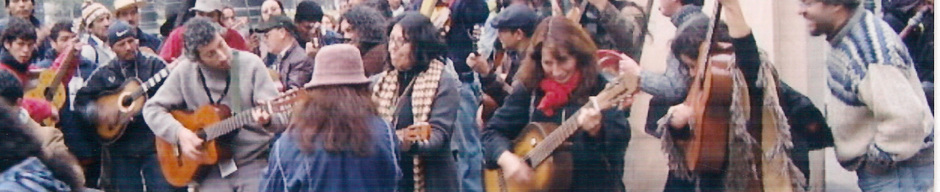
x=467 y=141
x=915 y=174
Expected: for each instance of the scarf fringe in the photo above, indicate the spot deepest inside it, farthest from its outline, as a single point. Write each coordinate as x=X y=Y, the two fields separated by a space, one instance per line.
x=741 y=168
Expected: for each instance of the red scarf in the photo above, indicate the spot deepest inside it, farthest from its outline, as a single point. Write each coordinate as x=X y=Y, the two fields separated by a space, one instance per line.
x=556 y=94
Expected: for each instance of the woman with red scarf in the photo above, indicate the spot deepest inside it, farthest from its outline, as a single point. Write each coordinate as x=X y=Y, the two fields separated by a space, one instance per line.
x=557 y=77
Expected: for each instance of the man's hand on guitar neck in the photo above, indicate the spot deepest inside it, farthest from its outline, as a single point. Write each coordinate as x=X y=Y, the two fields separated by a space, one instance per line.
x=514 y=168
x=189 y=144
x=589 y=119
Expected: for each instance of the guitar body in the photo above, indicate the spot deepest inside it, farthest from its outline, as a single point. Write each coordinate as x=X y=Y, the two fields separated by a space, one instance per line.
x=706 y=150
x=177 y=169
x=112 y=108
x=45 y=87
x=553 y=174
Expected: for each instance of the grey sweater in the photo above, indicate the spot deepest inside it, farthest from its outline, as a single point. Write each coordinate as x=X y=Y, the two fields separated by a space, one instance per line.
x=183 y=90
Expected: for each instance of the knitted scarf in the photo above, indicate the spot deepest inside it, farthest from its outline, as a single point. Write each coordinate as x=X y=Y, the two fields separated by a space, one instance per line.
x=556 y=94
x=424 y=88
x=741 y=168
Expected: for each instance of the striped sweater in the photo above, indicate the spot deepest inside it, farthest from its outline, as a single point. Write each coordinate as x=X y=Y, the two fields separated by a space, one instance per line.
x=876 y=106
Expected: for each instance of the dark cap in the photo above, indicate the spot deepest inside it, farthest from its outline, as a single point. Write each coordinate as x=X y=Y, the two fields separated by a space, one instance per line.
x=516 y=16
x=120 y=30
x=309 y=11
x=274 y=22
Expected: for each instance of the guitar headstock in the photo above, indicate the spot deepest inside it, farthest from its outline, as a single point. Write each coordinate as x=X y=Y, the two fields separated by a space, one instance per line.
x=620 y=88
x=285 y=101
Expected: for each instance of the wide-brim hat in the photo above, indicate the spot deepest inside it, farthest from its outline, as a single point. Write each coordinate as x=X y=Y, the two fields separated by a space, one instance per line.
x=338 y=64
x=124 y=4
x=207 y=6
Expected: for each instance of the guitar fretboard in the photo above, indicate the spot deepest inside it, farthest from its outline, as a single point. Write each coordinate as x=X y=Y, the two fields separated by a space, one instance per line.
x=545 y=148
x=153 y=81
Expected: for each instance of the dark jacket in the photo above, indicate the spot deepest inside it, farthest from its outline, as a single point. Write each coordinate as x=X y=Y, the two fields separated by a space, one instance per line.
x=598 y=162
x=295 y=68
x=440 y=164
x=137 y=138
x=612 y=30
x=291 y=169
x=464 y=14
x=149 y=40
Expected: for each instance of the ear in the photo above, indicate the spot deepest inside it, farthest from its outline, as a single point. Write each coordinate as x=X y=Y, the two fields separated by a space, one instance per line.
x=7 y=45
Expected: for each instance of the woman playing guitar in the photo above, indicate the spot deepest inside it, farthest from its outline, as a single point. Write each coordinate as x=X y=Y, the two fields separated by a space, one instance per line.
x=557 y=76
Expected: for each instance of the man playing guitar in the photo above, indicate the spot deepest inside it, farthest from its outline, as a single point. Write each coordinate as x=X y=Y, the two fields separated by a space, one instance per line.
x=214 y=74
x=128 y=156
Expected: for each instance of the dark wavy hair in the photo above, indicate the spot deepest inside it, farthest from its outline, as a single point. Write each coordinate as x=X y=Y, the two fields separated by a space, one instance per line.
x=426 y=41
x=19 y=144
x=200 y=31
x=690 y=38
x=368 y=23
x=11 y=89
x=560 y=35
x=336 y=119
x=18 y=28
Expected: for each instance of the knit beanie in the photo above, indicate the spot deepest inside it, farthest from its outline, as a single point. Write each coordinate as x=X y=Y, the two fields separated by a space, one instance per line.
x=91 y=11
x=309 y=11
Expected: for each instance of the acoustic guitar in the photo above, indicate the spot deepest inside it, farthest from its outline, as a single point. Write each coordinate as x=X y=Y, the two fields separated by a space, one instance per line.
x=51 y=88
x=710 y=98
x=117 y=109
x=540 y=144
x=417 y=133
x=210 y=122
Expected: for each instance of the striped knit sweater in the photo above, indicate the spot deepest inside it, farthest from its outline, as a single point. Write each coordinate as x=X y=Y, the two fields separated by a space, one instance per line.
x=876 y=106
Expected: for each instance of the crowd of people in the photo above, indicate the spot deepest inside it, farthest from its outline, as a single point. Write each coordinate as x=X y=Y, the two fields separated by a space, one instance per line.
x=435 y=95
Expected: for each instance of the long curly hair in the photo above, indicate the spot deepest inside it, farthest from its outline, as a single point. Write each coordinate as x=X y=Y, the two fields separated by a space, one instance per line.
x=336 y=119
x=560 y=35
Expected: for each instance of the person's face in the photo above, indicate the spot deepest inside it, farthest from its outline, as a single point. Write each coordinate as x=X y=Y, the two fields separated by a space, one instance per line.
x=669 y=7
x=307 y=29
x=558 y=67
x=394 y=4
x=100 y=26
x=22 y=50
x=20 y=8
x=130 y=15
x=510 y=38
x=819 y=19
x=63 y=40
x=327 y=22
x=270 y=9
x=348 y=31
x=216 y=54
x=126 y=49
x=214 y=15
x=228 y=17
x=400 y=49
x=275 y=38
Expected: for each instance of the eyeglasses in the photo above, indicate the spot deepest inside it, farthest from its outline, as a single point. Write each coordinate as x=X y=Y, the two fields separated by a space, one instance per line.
x=398 y=41
x=807 y=3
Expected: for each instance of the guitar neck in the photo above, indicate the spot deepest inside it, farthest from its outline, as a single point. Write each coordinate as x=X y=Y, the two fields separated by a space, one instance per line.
x=59 y=74
x=228 y=125
x=545 y=148
x=153 y=81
